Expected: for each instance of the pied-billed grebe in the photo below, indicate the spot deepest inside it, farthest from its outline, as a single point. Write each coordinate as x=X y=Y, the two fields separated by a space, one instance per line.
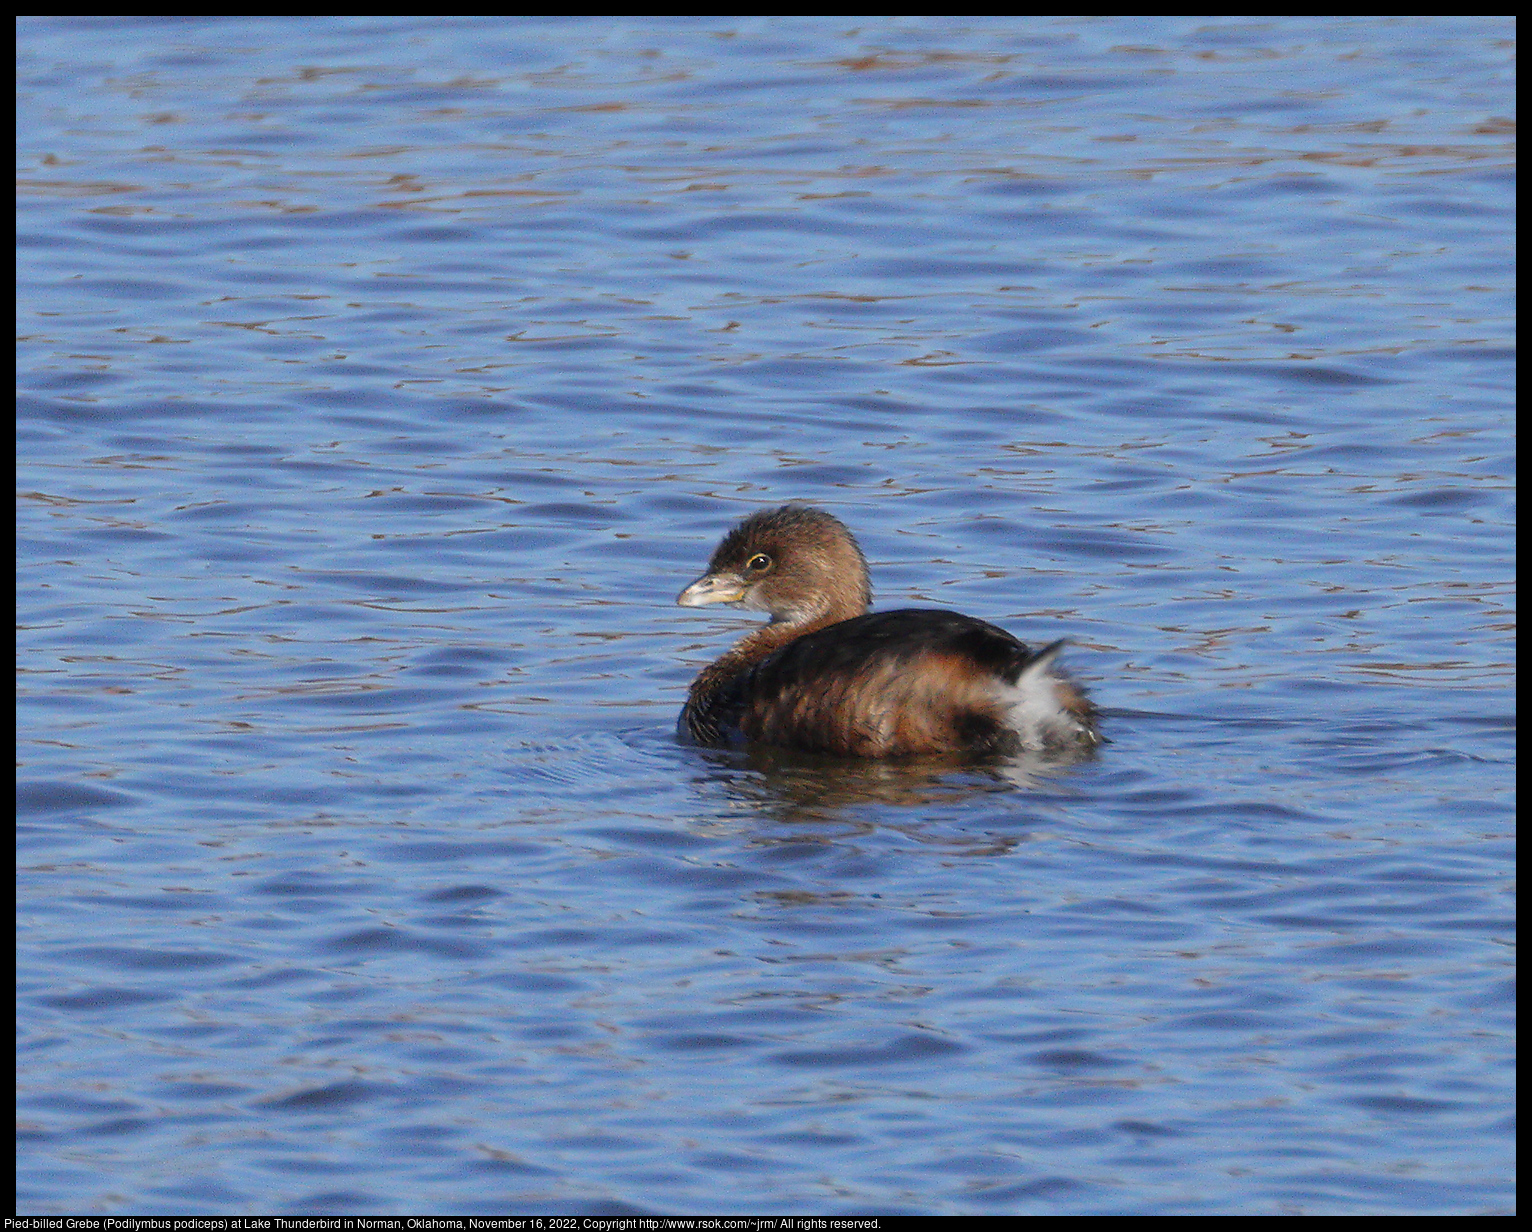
x=826 y=676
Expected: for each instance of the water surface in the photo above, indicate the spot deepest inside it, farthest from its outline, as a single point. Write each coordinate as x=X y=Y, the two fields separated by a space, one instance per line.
x=383 y=379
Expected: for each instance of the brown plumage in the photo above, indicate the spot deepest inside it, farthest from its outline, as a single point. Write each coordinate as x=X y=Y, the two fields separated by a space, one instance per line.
x=826 y=676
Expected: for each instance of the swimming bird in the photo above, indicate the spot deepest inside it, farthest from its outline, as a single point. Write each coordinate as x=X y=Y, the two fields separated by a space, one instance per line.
x=825 y=675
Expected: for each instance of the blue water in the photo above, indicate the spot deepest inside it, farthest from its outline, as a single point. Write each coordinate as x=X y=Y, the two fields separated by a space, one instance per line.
x=383 y=380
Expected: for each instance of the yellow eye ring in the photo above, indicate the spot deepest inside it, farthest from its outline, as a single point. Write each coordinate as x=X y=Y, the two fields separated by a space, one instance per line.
x=758 y=563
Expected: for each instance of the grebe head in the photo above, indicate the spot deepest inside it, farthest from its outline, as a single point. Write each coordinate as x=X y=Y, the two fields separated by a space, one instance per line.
x=799 y=564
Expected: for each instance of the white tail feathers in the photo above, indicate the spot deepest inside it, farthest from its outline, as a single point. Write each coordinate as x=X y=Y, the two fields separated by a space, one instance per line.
x=1046 y=709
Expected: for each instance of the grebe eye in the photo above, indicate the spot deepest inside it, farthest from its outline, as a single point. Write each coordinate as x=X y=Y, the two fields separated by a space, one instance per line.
x=758 y=563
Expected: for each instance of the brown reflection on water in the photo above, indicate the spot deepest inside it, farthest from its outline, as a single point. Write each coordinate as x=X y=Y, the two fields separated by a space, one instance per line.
x=791 y=786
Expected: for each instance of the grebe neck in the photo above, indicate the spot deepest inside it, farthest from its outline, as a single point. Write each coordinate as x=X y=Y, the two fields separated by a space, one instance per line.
x=700 y=714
